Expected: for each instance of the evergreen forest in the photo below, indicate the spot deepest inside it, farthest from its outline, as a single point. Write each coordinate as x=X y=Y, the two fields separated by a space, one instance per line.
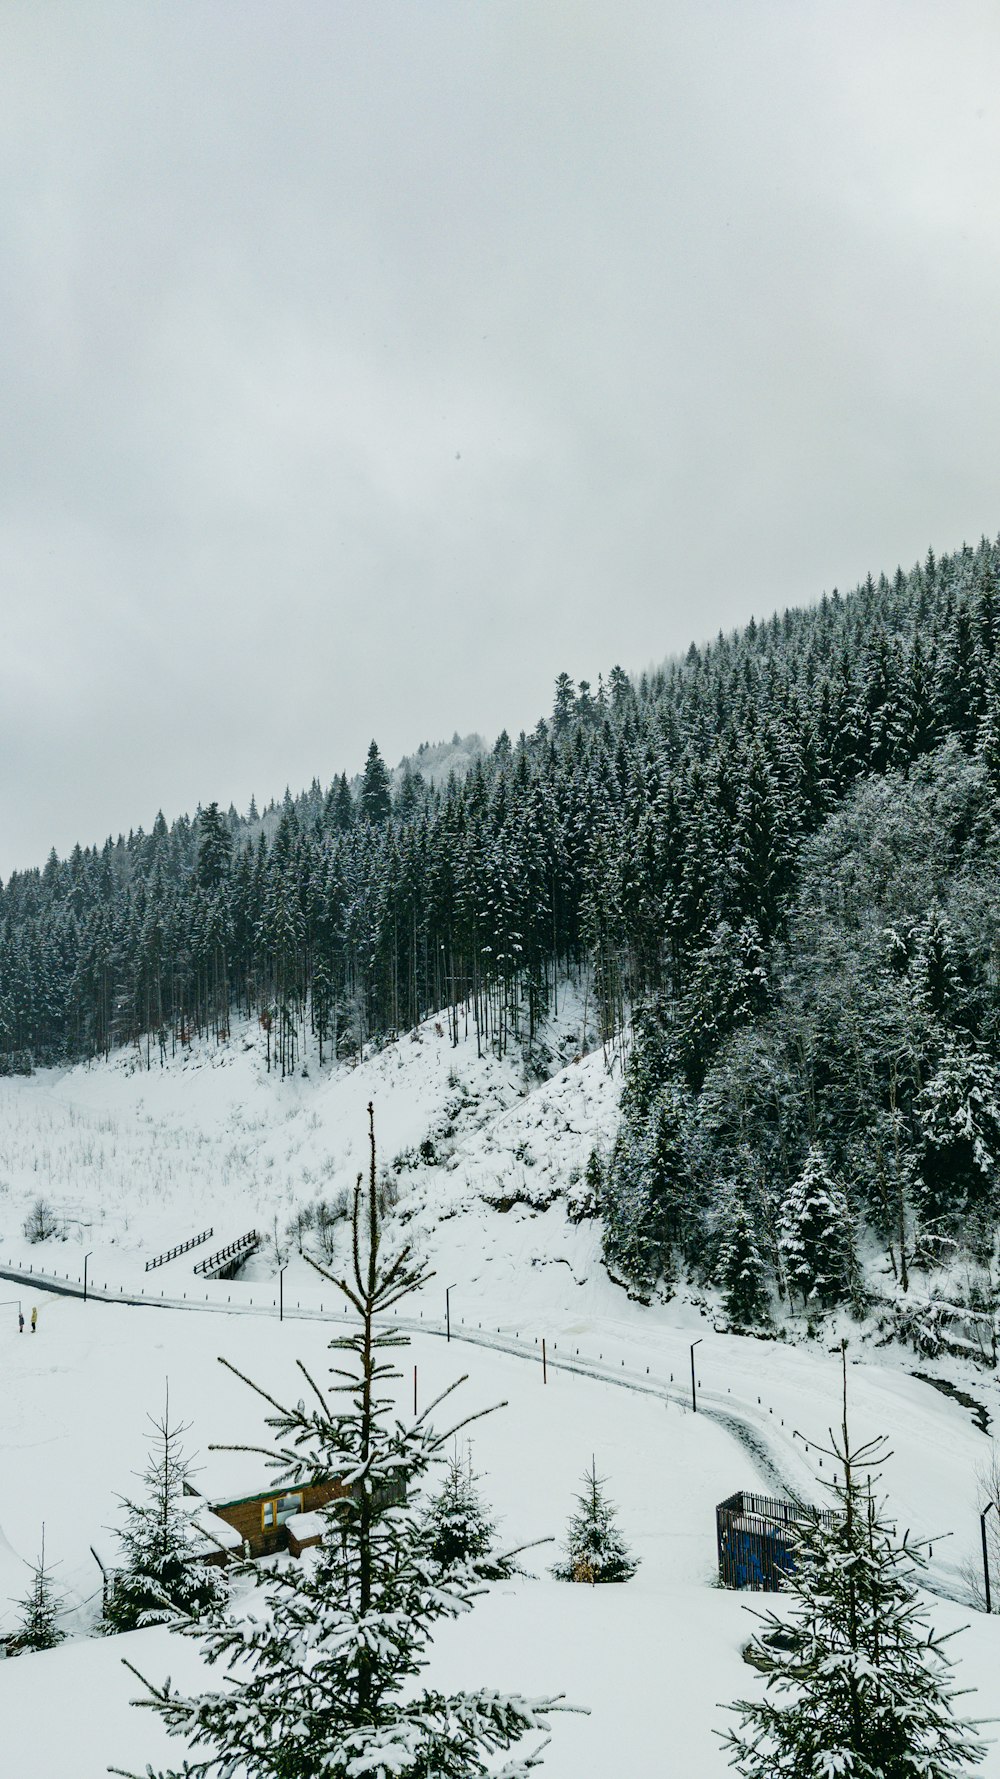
x=770 y=867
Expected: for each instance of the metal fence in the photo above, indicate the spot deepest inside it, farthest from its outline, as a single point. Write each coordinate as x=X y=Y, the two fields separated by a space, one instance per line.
x=756 y=1539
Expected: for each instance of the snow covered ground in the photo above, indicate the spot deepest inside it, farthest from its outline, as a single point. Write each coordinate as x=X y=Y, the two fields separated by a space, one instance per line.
x=487 y=1168
x=653 y=1661
x=68 y=1456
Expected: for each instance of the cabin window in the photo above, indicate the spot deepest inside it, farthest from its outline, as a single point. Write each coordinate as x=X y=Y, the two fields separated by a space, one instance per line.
x=267 y=1515
x=287 y=1505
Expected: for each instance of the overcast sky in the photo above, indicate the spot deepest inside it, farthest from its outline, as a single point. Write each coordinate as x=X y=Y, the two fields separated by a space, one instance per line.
x=364 y=365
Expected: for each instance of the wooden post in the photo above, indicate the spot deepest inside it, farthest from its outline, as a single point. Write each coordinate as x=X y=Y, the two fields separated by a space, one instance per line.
x=545 y=1374
x=414 y=1392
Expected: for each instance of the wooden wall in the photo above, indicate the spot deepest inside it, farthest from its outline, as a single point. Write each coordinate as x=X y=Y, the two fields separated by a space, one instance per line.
x=246 y=1516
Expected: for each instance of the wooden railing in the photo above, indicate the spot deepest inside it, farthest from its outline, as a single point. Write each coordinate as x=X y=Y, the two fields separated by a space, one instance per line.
x=231 y=1257
x=181 y=1248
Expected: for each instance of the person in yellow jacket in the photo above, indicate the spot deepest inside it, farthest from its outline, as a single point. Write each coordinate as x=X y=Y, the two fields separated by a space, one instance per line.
x=34 y=1319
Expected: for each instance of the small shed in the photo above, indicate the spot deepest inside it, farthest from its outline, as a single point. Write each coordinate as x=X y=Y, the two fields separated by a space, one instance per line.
x=755 y=1539
x=303 y=1530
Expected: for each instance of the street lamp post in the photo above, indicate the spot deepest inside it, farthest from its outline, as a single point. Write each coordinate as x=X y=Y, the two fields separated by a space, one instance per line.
x=86 y=1257
x=694 y=1392
x=447 y=1309
x=986 y=1553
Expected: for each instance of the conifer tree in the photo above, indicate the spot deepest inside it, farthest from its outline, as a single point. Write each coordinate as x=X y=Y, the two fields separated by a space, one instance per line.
x=959 y=1114
x=159 y=1576
x=665 y=1170
x=214 y=847
x=595 y=1548
x=816 y=1237
x=323 y=1670
x=857 y=1682
x=727 y=985
x=562 y=709
x=593 y=1186
x=38 y=1626
x=935 y=972
x=458 y=1527
x=629 y=1244
x=647 y=1202
x=375 y=804
x=989 y=728
x=740 y=1267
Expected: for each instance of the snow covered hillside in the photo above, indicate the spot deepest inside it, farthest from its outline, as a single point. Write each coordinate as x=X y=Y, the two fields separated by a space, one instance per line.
x=484 y=1173
x=133 y=1161
x=485 y=1178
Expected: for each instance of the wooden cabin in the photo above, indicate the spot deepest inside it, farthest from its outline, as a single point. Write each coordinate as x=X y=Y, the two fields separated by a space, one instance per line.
x=262 y=1519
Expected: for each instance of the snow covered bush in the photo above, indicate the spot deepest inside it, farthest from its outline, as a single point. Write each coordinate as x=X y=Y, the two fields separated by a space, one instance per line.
x=583 y=1197
x=41 y=1223
x=329 y=1216
x=595 y=1548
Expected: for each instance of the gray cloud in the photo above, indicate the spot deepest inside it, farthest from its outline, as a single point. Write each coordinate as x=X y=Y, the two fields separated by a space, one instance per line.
x=364 y=366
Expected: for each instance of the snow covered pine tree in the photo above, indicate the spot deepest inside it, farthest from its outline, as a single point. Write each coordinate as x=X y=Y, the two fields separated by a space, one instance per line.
x=869 y=1695
x=458 y=1527
x=323 y=1668
x=816 y=1237
x=160 y=1575
x=740 y=1268
x=595 y=1548
x=38 y=1627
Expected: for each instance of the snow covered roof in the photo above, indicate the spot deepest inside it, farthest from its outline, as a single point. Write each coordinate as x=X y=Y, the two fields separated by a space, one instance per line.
x=208 y=1531
x=234 y=1476
x=305 y=1525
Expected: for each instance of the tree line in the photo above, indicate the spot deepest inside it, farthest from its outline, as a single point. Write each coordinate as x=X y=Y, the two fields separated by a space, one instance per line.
x=645 y=837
